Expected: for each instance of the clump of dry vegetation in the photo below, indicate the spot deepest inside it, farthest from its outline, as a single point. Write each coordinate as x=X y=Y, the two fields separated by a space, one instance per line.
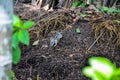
x=50 y=22
x=108 y=31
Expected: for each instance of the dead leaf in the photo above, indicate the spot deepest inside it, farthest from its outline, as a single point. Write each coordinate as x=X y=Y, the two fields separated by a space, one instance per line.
x=35 y=42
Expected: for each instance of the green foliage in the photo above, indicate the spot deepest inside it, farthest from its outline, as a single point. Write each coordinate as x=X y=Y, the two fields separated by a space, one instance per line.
x=77 y=30
x=78 y=3
x=16 y=55
x=15 y=40
x=109 y=10
x=28 y=24
x=83 y=15
x=23 y=36
x=20 y=35
x=101 y=69
x=12 y=73
x=17 y=22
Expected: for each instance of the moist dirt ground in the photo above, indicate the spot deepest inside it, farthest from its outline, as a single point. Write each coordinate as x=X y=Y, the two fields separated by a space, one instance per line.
x=64 y=61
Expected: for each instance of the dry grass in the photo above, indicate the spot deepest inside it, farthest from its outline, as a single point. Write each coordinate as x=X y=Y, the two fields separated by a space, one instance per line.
x=111 y=29
x=52 y=21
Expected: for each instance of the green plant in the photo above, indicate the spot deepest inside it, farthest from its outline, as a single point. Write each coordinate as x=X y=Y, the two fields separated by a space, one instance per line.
x=83 y=15
x=109 y=10
x=20 y=34
x=12 y=75
x=101 y=69
x=77 y=30
x=78 y=3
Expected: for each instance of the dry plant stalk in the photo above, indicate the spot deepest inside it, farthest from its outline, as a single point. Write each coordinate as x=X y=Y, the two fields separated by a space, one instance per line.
x=88 y=50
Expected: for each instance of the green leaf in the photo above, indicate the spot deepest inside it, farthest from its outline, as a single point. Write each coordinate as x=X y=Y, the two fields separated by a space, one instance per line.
x=109 y=10
x=104 y=9
x=100 y=76
x=12 y=74
x=15 y=40
x=117 y=11
x=101 y=69
x=116 y=74
x=23 y=36
x=75 y=4
x=17 y=22
x=78 y=30
x=91 y=73
x=16 y=55
x=28 y=24
x=83 y=15
x=82 y=4
x=107 y=66
x=88 y=71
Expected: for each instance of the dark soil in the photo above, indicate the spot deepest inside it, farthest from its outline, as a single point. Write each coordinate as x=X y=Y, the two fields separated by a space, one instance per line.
x=67 y=59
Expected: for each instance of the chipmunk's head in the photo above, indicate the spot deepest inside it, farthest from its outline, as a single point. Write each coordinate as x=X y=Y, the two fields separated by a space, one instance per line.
x=57 y=34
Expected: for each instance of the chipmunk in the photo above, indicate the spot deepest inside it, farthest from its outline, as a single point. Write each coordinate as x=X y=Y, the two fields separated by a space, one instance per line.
x=55 y=38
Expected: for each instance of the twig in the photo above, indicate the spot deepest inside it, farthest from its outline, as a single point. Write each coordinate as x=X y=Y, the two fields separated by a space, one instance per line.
x=95 y=41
